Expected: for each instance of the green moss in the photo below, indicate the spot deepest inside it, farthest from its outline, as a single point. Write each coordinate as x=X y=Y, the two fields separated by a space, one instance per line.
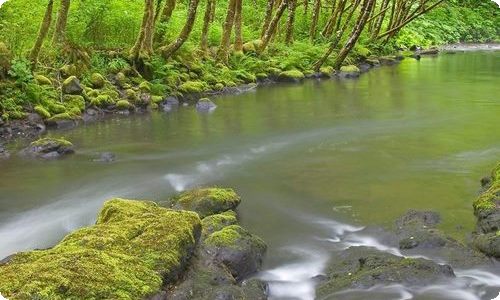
x=61 y=117
x=74 y=102
x=55 y=108
x=121 y=79
x=68 y=70
x=145 y=86
x=45 y=141
x=326 y=71
x=192 y=87
x=44 y=113
x=217 y=222
x=489 y=200
x=97 y=80
x=157 y=99
x=42 y=80
x=350 y=69
x=123 y=104
x=131 y=95
x=133 y=250
x=292 y=74
x=231 y=236
x=207 y=201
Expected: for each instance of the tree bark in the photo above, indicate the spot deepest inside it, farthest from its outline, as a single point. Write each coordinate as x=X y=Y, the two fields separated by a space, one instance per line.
x=290 y=22
x=238 y=37
x=272 y=25
x=227 y=27
x=168 y=9
x=42 y=33
x=366 y=10
x=267 y=18
x=207 y=20
x=144 y=45
x=62 y=20
x=315 y=19
x=169 y=50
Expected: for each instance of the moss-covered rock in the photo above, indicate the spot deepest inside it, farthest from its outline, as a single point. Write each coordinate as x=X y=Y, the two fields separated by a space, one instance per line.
x=72 y=86
x=48 y=148
x=42 y=111
x=213 y=223
x=205 y=104
x=350 y=71
x=131 y=95
x=42 y=80
x=97 y=80
x=239 y=250
x=207 y=201
x=326 y=72
x=363 y=267
x=133 y=250
x=145 y=86
x=75 y=102
x=192 y=87
x=123 y=105
x=67 y=71
x=291 y=76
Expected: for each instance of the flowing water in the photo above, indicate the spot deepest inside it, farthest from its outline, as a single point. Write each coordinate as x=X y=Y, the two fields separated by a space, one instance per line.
x=318 y=166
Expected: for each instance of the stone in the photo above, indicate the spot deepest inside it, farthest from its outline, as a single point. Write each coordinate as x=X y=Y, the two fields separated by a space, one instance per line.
x=42 y=80
x=72 y=86
x=205 y=105
x=350 y=71
x=292 y=76
x=207 y=201
x=105 y=157
x=49 y=148
x=97 y=80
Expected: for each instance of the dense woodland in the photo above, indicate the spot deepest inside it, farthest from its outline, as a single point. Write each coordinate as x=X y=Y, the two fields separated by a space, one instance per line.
x=60 y=57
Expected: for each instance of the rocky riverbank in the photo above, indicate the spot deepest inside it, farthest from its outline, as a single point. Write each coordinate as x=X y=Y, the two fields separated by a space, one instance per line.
x=141 y=250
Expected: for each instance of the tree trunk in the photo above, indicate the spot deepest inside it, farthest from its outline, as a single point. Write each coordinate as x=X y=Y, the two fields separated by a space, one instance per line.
x=267 y=17
x=378 y=21
x=290 y=22
x=158 y=9
x=42 y=33
x=143 y=44
x=315 y=19
x=272 y=25
x=207 y=20
x=238 y=39
x=62 y=20
x=169 y=50
x=227 y=27
x=167 y=11
x=366 y=10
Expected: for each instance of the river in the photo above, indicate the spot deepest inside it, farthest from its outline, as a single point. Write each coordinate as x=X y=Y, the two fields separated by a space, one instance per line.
x=318 y=166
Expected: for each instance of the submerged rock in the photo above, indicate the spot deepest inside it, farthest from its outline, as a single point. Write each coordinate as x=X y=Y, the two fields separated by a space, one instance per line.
x=49 y=148
x=205 y=105
x=363 y=267
x=207 y=201
x=134 y=249
x=106 y=157
x=3 y=152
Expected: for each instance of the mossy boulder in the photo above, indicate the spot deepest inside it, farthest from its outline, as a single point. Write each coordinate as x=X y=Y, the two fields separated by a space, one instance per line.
x=293 y=76
x=131 y=95
x=350 y=71
x=67 y=71
x=123 y=105
x=488 y=243
x=207 y=201
x=42 y=111
x=49 y=148
x=237 y=249
x=192 y=87
x=326 y=72
x=134 y=249
x=97 y=80
x=364 y=267
x=75 y=101
x=42 y=80
x=388 y=60
x=213 y=223
x=72 y=86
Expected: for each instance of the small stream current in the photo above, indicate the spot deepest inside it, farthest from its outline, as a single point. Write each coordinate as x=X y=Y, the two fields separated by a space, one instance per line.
x=320 y=166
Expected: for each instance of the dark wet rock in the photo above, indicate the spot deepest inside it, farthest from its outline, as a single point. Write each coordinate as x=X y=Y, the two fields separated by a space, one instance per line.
x=418 y=233
x=106 y=157
x=374 y=62
x=388 y=60
x=363 y=267
x=72 y=86
x=207 y=201
x=364 y=67
x=91 y=115
x=49 y=148
x=4 y=154
x=1 y=122
x=205 y=104
x=61 y=123
x=237 y=249
x=431 y=51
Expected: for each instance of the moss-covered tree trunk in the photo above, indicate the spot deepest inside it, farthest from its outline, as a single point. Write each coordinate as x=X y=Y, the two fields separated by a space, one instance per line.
x=273 y=25
x=267 y=18
x=227 y=27
x=42 y=33
x=143 y=45
x=238 y=19
x=165 y=16
x=366 y=10
x=158 y=8
x=170 y=49
x=62 y=21
x=290 y=22
x=207 y=20
x=315 y=18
